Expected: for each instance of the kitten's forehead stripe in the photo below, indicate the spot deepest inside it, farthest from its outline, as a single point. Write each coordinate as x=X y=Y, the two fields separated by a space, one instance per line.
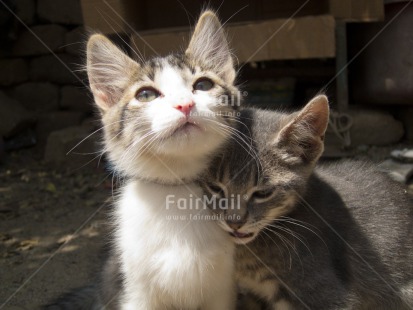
x=226 y=177
x=151 y=75
x=252 y=177
x=122 y=121
x=152 y=67
x=178 y=62
x=219 y=169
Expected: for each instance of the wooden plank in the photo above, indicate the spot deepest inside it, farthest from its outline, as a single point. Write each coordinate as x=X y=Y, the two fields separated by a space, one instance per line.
x=357 y=10
x=162 y=43
x=112 y=16
x=299 y=38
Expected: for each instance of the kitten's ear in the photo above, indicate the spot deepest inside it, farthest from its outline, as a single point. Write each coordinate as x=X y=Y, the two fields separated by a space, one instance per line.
x=209 y=47
x=109 y=71
x=302 y=138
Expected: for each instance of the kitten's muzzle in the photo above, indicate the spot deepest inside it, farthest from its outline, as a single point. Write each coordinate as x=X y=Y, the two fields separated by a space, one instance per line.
x=235 y=225
x=186 y=128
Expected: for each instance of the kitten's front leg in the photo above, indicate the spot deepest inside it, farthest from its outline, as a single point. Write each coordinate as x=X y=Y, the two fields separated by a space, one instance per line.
x=137 y=305
x=224 y=299
x=246 y=301
x=221 y=302
x=138 y=300
x=282 y=304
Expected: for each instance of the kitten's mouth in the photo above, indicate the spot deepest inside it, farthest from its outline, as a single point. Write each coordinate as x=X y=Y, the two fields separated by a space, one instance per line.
x=242 y=238
x=185 y=128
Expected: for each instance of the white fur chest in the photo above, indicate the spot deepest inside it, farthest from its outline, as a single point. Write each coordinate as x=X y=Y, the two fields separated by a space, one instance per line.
x=171 y=255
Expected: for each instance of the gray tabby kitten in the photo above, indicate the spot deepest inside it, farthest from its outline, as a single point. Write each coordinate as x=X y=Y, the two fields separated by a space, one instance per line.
x=335 y=236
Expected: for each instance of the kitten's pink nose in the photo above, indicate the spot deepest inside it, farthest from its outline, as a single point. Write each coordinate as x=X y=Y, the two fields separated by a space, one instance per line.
x=185 y=107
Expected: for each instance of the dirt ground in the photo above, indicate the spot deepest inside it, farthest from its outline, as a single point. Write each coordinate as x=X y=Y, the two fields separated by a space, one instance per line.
x=52 y=229
x=53 y=226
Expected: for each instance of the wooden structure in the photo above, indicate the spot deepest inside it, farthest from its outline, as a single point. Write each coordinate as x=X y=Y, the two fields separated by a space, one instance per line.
x=261 y=30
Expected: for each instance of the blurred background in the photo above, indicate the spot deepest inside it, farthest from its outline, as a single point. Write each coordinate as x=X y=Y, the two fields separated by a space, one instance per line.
x=54 y=191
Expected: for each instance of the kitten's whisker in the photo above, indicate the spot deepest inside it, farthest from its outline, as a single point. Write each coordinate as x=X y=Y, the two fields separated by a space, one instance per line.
x=119 y=133
x=100 y=158
x=292 y=245
x=186 y=12
x=113 y=186
x=301 y=224
x=232 y=134
x=119 y=36
x=141 y=57
x=150 y=142
x=87 y=153
x=103 y=180
x=298 y=221
x=236 y=119
x=130 y=147
x=229 y=116
x=235 y=130
x=87 y=137
x=282 y=240
x=293 y=234
x=138 y=151
x=87 y=163
x=250 y=150
x=239 y=132
x=292 y=221
x=276 y=244
x=229 y=18
x=147 y=144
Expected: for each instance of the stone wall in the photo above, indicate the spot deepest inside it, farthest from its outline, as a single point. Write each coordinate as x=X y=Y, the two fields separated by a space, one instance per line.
x=42 y=86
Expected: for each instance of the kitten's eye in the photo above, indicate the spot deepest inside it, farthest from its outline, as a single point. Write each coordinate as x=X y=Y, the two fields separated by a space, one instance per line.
x=216 y=189
x=262 y=194
x=147 y=94
x=203 y=84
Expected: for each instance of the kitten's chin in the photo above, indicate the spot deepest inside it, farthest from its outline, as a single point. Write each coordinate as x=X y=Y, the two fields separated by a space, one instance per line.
x=181 y=130
x=189 y=141
x=185 y=131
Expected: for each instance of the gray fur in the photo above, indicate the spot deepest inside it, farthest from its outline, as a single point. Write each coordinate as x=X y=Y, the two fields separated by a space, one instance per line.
x=85 y=298
x=345 y=241
x=104 y=294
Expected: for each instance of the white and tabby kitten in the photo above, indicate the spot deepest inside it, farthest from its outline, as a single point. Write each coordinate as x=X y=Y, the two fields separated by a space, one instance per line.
x=326 y=236
x=164 y=121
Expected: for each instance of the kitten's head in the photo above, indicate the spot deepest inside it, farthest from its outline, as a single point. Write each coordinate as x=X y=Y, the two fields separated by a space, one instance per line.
x=163 y=118
x=259 y=180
